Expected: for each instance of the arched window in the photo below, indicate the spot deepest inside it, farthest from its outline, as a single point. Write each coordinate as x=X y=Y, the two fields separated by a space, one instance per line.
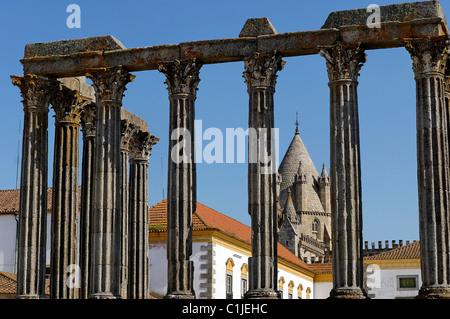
x=315 y=225
x=281 y=282
x=300 y=291
x=244 y=279
x=229 y=278
x=308 y=293
x=291 y=290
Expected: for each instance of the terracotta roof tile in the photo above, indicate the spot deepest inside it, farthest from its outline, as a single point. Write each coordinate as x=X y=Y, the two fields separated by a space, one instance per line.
x=208 y=218
x=321 y=268
x=410 y=251
x=10 y=199
x=8 y=283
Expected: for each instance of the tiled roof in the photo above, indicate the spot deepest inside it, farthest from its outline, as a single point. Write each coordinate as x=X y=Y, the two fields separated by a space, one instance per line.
x=10 y=199
x=208 y=218
x=410 y=251
x=321 y=268
x=8 y=283
x=289 y=166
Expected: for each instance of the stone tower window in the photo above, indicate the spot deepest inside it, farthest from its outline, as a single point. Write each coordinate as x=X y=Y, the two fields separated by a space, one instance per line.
x=315 y=225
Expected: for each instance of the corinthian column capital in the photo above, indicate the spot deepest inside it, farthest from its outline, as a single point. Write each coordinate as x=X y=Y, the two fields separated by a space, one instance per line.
x=261 y=69
x=141 y=145
x=428 y=55
x=181 y=76
x=109 y=83
x=35 y=90
x=68 y=105
x=88 y=120
x=343 y=61
x=128 y=131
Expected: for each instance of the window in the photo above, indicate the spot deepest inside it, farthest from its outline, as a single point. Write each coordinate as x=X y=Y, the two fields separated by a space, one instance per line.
x=244 y=276
x=229 y=286
x=229 y=278
x=315 y=226
x=290 y=290
x=243 y=287
x=299 y=291
x=281 y=282
x=407 y=282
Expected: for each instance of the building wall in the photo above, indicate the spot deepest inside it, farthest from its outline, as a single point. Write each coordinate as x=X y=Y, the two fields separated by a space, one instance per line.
x=8 y=226
x=386 y=286
x=322 y=289
x=210 y=270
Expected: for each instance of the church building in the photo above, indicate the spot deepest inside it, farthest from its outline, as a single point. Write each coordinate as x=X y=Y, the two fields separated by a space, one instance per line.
x=304 y=206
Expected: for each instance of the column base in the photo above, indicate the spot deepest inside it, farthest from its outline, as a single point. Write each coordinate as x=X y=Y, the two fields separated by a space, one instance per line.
x=30 y=297
x=261 y=294
x=348 y=293
x=180 y=295
x=104 y=295
x=434 y=293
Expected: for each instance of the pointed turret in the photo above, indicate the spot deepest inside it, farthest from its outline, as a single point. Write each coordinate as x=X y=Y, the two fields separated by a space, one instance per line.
x=289 y=209
x=324 y=178
x=324 y=189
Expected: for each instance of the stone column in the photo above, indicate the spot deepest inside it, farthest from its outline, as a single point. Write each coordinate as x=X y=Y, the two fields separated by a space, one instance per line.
x=127 y=133
x=87 y=195
x=109 y=85
x=31 y=259
x=182 y=81
x=67 y=105
x=138 y=267
x=260 y=77
x=429 y=59
x=343 y=64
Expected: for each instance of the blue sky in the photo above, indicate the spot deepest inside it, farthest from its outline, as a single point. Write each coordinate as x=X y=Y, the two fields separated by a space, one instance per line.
x=386 y=96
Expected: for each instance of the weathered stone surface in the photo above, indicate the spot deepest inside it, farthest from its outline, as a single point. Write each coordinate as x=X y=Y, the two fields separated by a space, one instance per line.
x=343 y=65
x=433 y=172
x=64 y=47
x=32 y=233
x=182 y=78
x=109 y=85
x=133 y=119
x=409 y=20
x=257 y=26
x=260 y=76
x=405 y=12
x=85 y=91
x=87 y=195
x=138 y=268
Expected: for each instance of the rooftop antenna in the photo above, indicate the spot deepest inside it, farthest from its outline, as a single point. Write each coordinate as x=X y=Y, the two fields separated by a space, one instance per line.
x=18 y=154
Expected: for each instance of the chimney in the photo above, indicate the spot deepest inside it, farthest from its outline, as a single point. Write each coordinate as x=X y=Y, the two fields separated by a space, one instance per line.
x=386 y=244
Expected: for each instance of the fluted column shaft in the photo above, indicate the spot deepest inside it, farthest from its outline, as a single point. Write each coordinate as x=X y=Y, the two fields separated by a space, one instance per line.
x=138 y=268
x=127 y=132
x=343 y=64
x=87 y=195
x=109 y=85
x=260 y=76
x=64 y=226
x=36 y=93
x=429 y=61
x=182 y=80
